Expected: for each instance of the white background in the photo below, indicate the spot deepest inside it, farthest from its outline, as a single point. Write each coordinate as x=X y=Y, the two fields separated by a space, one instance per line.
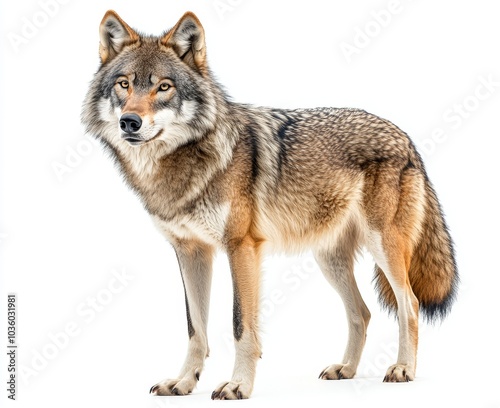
x=62 y=235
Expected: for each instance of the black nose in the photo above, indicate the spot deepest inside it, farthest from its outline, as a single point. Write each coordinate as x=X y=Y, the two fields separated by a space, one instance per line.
x=130 y=122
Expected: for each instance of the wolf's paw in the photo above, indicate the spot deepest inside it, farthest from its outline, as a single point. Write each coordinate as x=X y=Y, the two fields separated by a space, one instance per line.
x=399 y=373
x=232 y=391
x=337 y=372
x=183 y=386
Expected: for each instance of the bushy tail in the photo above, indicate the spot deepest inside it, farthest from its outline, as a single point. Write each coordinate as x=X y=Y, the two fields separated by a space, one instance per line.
x=433 y=272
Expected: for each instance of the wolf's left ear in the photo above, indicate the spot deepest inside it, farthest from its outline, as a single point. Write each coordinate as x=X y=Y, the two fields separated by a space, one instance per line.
x=115 y=34
x=187 y=39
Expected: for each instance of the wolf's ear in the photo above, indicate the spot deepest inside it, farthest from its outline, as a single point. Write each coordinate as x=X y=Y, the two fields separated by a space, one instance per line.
x=115 y=34
x=187 y=39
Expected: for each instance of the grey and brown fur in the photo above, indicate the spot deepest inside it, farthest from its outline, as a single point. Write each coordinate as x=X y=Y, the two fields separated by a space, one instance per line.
x=218 y=175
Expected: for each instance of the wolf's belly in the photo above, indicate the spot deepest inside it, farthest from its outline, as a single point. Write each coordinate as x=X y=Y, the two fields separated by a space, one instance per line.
x=296 y=223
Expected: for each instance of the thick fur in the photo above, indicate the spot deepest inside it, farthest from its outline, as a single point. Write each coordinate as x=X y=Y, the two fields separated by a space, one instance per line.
x=432 y=272
x=218 y=175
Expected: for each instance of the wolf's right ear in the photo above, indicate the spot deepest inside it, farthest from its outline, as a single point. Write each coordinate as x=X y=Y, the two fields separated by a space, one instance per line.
x=115 y=34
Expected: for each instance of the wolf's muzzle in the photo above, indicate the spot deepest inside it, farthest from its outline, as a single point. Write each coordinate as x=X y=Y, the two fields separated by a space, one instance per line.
x=130 y=123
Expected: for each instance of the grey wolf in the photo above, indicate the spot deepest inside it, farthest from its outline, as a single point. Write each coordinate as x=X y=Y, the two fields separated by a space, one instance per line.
x=219 y=175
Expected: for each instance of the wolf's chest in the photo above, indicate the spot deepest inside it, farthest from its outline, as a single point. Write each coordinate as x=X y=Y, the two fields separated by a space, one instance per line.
x=206 y=223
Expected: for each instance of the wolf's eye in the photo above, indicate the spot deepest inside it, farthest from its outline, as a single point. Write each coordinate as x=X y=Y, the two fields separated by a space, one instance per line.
x=123 y=84
x=164 y=87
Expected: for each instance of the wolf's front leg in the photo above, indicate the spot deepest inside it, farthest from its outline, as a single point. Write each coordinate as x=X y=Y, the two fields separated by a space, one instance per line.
x=195 y=261
x=245 y=269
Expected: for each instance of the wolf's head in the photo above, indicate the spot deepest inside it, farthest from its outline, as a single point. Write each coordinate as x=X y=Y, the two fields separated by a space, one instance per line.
x=153 y=91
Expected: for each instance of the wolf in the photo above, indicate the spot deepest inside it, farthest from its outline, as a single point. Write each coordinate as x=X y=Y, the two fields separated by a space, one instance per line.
x=216 y=175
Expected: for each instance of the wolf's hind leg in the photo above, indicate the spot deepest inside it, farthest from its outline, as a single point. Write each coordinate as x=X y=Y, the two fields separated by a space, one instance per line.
x=337 y=264
x=391 y=254
x=195 y=261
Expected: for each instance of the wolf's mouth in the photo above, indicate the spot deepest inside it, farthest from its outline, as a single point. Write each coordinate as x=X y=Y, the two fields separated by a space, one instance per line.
x=137 y=141
x=134 y=141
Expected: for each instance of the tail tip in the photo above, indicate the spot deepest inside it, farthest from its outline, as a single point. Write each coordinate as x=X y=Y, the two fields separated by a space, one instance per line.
x=434 y=312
